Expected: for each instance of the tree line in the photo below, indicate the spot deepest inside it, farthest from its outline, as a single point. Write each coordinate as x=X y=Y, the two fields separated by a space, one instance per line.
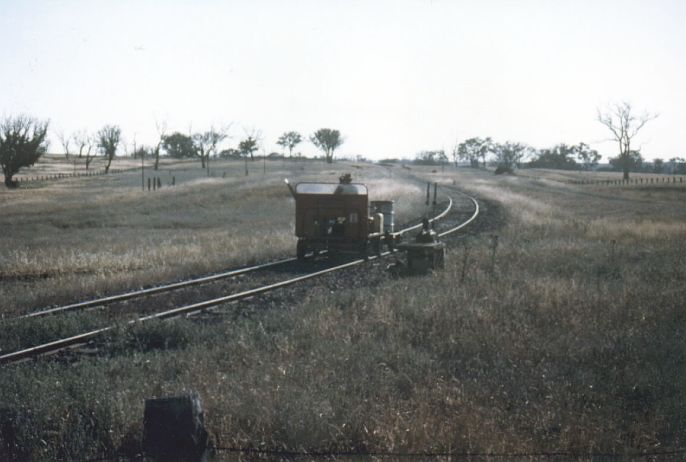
x=510 y=155
x=620 y=119
x=477 y=152
x=506 y=157
x=24 y=139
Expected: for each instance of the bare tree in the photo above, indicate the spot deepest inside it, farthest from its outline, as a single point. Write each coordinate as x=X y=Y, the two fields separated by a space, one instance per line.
x=64 y=141
x=90 y=141
x=80 y=139
x=327 y=140
x=206 y=143
x=85 y=143
x=108 y=140
x=161 y=131
x=624 y=125
x=22 y=142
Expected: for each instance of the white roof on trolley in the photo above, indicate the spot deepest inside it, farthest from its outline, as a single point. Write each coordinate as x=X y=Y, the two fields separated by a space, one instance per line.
x=331 y=188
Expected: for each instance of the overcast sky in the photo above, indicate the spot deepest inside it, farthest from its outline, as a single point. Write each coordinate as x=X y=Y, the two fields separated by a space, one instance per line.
x=395 y=77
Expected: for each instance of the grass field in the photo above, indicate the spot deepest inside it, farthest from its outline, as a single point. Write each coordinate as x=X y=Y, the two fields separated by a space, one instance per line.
x=81 y=237
x=559 y=327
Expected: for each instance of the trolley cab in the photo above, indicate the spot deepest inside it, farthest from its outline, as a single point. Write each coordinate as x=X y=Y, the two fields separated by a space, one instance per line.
x=335 y=217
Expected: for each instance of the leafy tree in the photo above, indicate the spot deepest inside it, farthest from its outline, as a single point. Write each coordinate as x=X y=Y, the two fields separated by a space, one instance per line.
x=142 y=151
x=629 y=162
x=289 y=140
x=327 y=140
x=565 y=157
x=559 y=156
x=624 y=124
x=473 y=150
x=587 y=156
x=108 y=140
x=178 y=145
x=22 y=143
x=508 y=155
x=230 y=153
x=248 y=146
x=678 y=165
x=658 y=166
x=391 y=160
x=431 y=157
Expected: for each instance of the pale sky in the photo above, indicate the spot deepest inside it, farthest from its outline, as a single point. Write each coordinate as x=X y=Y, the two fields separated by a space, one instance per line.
x=394 y=76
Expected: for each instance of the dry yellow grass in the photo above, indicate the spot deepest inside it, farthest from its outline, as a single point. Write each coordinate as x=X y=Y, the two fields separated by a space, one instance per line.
x=77 y=238
x=565 y=335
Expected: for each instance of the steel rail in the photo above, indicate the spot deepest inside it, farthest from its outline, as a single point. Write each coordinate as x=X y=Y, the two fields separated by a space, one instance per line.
x=178 y=285
x=80 y=339
x=431 y=220
x=463 y=224
x=152 y=290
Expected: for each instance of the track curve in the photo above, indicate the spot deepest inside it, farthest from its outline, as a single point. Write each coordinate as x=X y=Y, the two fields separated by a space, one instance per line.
x=85 y=337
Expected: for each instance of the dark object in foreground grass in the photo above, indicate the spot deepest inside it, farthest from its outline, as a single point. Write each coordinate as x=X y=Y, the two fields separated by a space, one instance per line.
x=174 y=428
x=10 y=441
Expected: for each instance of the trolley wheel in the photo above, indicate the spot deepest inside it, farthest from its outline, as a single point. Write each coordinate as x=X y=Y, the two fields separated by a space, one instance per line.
x=440 y=259
x=364 y=249
x=377 y=246
x=301 y=248
x=390 y=244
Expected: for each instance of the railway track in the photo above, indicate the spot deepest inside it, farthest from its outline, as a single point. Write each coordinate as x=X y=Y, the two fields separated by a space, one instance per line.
x=221 y=288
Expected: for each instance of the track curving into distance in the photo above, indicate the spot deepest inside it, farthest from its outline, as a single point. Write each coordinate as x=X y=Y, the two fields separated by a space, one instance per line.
x=83 y=338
